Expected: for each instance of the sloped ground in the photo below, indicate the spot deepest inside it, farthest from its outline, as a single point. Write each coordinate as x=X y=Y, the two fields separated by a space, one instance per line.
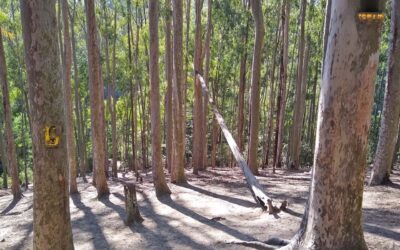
x=211 y=210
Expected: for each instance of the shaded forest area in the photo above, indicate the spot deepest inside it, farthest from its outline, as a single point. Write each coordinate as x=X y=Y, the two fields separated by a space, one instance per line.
x=199 y=124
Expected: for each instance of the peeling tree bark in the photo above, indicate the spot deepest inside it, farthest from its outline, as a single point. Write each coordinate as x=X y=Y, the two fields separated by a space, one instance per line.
x=333 y=215
x=391 y=107
x=51 y=216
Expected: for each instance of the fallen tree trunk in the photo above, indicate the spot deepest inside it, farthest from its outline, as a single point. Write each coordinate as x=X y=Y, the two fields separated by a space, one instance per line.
x=256 y=190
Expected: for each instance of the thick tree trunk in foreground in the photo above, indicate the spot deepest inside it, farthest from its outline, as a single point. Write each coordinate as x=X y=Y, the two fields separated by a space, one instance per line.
x=333 y=216
x=255 y=84
x=96 y=100
x=51 y=216
x=10 y=149
x=178 y=140
x=158 y=172
x=168 y=77
x=198 y=114
x=69 y=121
x=391 y=107
x=113 y=105
x=293 y=160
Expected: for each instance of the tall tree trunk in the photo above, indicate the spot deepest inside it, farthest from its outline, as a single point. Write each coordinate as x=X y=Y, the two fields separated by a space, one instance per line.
x=168 y=77
x=178 y=159
x=391 y=107
x=272 y=96
x=96 y=100
x=10 y=149
x=51 y=215
x=69 y=130
x=255 y=84
x=113 y=104
x=293 y=160
x=207 y=55
x=336 y=189
x=158 y=172
x=81 y=145
x=281 y=102
x=242 y=86
x=198 y=114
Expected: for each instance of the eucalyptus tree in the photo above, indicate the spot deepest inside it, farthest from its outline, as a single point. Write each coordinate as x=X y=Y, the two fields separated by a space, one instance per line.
x=51 y=215
x=10 y=148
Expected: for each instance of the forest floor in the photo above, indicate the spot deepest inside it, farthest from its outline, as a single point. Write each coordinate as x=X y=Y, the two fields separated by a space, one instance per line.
x=211 y=210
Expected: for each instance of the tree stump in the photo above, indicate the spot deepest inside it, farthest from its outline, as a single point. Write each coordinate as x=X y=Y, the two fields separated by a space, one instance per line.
x=131 y=204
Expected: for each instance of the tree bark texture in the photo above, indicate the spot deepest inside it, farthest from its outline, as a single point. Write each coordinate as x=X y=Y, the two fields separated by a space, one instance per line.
x=293 y=160
x=391 y=108
x=168 y=77
x=160 y=184
x=178 y=142
x=96 y=100
x=51 y=215
x=281 y=101
x=333 y=217
x=198 y=114
x=255 y=85
x=10 y=149
x=69 y=121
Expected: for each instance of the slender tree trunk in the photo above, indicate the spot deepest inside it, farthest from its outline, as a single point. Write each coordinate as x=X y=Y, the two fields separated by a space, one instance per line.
x=242 y=87
x=69 y=130
x=207 y=55
x=3 y=160
x=51 y=215
x=255 y=84
x=160 y=185
x=96 y=100
x=336 y=190
x=391 y=107
x=178 y=159
x=272 y=97
x=293 y=160
x=198 y=114
x=396 y=150
x=81 y=146
x=113 y=105
x=168 y=76
x=10 y=149
x=281 y=102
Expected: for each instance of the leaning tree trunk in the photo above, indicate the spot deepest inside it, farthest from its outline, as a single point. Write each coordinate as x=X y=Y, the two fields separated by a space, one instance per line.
x=10 y=149
x=51 y=216
x=178 y=139
x=333 y=217
x=69 y=121
x=158 y=172
x=96 y=100
x=391 y=107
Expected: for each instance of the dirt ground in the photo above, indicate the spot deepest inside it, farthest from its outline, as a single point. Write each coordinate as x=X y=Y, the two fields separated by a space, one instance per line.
x=211 y=210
